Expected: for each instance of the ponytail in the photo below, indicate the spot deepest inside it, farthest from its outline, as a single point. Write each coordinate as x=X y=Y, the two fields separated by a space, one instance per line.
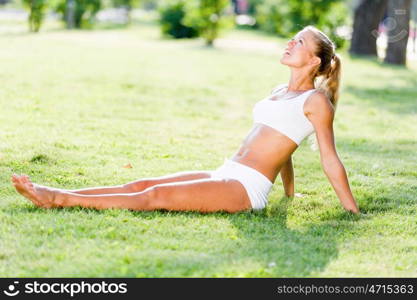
x=330 y=81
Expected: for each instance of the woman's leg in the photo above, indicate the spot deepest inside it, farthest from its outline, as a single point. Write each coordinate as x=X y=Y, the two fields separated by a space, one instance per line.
x=142 y=184
x=204 y=195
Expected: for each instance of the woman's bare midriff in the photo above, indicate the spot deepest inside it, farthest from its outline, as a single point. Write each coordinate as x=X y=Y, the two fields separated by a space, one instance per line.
x=265 y=150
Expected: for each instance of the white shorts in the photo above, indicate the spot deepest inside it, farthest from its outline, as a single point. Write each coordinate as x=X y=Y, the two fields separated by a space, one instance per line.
x=256 y=184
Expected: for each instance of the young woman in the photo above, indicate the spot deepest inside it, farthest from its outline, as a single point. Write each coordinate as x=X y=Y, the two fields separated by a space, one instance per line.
x=281 y=121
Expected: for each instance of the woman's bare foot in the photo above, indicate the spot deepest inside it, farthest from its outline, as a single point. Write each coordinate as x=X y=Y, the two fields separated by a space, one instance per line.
x=41 y=196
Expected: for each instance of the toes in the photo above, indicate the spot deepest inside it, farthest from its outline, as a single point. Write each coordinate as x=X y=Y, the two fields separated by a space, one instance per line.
x=17 y=181
x=15 y=177
x=28 y=181
x=24 y=179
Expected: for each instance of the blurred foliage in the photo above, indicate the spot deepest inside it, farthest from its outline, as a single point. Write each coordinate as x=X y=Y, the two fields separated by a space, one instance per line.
x=172 y=15
x=150 y=4
x=128 y=4
x=252 y=6
x=206 y=18
x=36 y=13
x=287 y=17
x=186 y=19
x=209 y=17
x=84 y=11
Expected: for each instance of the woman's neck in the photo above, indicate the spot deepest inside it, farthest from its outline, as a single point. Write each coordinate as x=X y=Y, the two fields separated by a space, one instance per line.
x=300 y=81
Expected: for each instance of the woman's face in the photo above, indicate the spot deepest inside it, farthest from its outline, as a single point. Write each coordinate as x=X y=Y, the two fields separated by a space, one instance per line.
x=300 y=50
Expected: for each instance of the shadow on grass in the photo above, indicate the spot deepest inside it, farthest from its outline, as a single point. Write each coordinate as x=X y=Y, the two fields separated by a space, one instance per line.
x=283 y=251
x=268 y=247
x=399 y=100
x=375 y=60
x=264 y=245
x=383 y=184
x=364 y=149
x=367 y=59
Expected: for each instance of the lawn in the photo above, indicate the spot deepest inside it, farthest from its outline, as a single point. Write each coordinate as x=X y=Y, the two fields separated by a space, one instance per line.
x=77 y=107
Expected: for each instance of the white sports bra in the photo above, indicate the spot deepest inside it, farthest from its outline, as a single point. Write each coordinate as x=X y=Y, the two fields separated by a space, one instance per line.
x=285 y=115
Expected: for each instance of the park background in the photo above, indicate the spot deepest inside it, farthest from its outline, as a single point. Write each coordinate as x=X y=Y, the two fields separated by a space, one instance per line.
x=101 y=92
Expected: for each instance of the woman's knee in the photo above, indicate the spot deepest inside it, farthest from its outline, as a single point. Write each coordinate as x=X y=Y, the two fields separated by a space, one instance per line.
x=135 y=186
x=156 y=198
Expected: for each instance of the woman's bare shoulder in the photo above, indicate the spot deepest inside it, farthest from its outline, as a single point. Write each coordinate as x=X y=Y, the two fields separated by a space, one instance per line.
x=318 y=102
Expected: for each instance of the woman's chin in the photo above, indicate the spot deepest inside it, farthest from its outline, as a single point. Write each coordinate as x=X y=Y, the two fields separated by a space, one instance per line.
x=289 y=61
x=283 y=60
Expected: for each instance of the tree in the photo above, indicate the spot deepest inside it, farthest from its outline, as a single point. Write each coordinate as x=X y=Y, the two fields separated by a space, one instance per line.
x=70 y=14
x=399 y=16
x=171 y=19
x=208 y=16
x=367 y=17
x=36 y=13
x=77 y=13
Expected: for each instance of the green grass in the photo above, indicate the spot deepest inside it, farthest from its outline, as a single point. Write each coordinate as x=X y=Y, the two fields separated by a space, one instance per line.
x=78 y=106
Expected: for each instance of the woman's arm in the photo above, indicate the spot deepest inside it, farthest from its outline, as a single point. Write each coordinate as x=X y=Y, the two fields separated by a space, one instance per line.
x=336 y=173
x=321 y=114
x=287 y=176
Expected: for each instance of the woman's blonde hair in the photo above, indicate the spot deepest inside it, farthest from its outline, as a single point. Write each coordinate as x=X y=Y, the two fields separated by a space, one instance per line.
x=327 y=74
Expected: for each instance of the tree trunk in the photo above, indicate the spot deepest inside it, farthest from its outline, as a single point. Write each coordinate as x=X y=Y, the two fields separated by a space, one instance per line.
x=399 y=11
x=368 y=15
x=70 y=14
